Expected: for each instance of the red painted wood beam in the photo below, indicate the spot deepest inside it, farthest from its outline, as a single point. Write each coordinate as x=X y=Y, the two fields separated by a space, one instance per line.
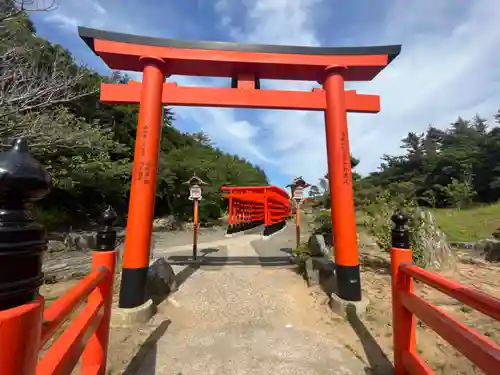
x=223 y=63
x=239 y=98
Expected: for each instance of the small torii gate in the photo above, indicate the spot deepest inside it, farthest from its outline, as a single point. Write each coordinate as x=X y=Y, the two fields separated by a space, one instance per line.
x=245 y=64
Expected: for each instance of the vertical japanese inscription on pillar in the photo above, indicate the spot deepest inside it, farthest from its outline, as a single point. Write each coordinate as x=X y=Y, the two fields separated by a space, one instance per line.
x=144 y=165
x=345 y=161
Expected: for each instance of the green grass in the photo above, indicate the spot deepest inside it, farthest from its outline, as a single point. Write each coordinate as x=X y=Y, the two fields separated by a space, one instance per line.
x=470 y=224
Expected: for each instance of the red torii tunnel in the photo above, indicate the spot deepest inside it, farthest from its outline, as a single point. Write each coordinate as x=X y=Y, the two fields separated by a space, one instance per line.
x=252 y=206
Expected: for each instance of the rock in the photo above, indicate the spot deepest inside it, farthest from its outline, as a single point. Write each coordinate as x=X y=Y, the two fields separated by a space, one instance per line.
x=54 y=246
x=161 y=278
x=80 y=241
x=312 y=274
x=166 y=223
x=328 y=238
x=437 y=252
x=317 y=246
x=489 y=248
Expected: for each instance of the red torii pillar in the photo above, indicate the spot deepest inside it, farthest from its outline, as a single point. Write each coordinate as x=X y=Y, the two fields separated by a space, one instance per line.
x=340 y=179
x=245 y=64
x=143 y=188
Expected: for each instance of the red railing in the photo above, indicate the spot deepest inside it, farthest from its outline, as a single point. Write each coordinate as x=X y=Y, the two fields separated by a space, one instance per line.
x=24 y=330
x=407 y=306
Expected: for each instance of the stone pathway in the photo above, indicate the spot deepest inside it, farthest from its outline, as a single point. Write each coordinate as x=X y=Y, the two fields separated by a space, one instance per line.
x=244 y=311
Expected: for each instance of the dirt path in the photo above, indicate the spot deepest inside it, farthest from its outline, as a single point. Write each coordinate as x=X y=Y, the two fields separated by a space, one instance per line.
x=237 y=317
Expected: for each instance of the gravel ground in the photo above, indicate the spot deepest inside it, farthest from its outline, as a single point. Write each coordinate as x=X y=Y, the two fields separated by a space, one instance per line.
x=240 y=318
x=167 y=239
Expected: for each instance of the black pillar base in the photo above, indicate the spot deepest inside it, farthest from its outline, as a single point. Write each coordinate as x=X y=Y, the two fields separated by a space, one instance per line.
x=231 y=229
x=273 y=228
x=348 y=282
x=133 y=287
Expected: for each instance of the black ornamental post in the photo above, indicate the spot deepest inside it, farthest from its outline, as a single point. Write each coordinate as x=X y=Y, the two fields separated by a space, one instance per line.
x=22 y=240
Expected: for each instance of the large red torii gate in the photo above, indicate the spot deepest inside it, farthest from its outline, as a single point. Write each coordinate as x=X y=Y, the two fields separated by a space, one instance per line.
x=245 y=64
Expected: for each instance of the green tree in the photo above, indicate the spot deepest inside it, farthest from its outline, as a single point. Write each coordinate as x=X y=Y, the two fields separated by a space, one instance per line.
x=314 y=191
x=88 y=146
x=459 y=193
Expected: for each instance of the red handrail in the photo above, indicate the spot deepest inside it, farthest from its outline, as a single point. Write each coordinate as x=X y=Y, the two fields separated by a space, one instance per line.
x=27 y=329
x=64 y=354
x=406 y=306
x=57 y=313
x=474 y=298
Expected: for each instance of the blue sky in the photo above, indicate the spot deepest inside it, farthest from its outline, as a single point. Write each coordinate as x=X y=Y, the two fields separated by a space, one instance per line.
x=449 y=66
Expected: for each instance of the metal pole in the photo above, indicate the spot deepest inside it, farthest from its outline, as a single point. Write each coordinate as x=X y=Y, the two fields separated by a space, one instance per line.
x=297 y=223
x=195 y=229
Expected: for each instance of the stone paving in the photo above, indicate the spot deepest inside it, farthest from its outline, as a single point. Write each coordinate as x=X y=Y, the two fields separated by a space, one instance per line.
x=242 y=311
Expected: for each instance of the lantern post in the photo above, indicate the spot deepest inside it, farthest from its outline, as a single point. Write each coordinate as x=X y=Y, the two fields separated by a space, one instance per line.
x=298 y=186
x=195 y=193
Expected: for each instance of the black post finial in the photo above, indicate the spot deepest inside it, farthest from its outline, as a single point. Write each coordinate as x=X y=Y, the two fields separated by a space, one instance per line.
x=106 y=235
x=400 y=233
x=22 y=240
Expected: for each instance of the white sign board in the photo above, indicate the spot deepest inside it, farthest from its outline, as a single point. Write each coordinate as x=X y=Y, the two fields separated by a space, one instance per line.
x=195 y=193
x=298 y=194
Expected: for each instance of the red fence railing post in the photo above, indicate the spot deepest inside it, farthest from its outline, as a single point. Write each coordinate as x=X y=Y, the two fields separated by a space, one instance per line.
x=230 y=212
x=22 y=244
x=95 y=354
x=266 y=208
x=403 y=321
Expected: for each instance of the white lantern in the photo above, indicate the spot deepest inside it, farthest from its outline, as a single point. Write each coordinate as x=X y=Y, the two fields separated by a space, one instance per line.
x=195 y=192
x=298 y=194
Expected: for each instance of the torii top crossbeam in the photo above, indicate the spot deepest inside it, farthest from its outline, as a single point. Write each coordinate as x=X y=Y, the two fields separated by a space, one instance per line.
x=195 y=58
x=245 y=64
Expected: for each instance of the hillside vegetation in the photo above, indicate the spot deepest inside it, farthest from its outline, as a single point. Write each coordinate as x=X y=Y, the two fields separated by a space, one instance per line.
x=87 y=146
x=455 y=167
x=453 y=172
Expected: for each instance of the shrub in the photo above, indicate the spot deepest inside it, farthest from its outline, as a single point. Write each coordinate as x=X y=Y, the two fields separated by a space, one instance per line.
x=301 y=254
x=378 y=222
x=52 y=218
x=323 y=222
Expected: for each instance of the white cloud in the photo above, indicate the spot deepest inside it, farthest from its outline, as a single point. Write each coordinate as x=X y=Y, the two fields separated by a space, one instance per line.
x=69 y=15
x=449 y=66
x=237 y=136
x=63 y=21
x=98 y=7
x=296 y=139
